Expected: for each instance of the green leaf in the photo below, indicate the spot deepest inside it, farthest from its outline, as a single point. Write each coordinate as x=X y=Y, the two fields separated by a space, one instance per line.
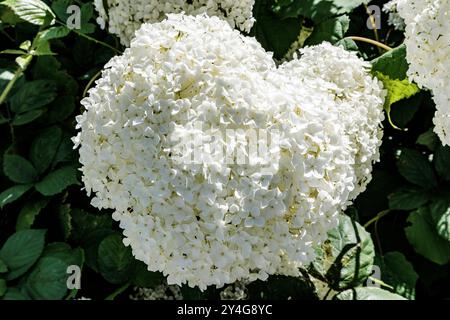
x=3 y=267
x=12 y=51
x=429 y=139
x=345 y=260
x=318 y=10
x=275 y=35
x=26 y=45
x=65 y=151
x=408 y=199
x=14 y=294
x=61 y=109
x=91 y=244
x=416 y=168
x=66 y=83
x=403 y=111
x=33 y=95
x=399 y=273
x=396 y=90
x=440 y=212
x=21 y=251
x=442 y=162
x=331 y=30
x=144 y=278
x=65 y=253
x=44 y=148
x=114 y=259
x=5 y=77
x=48 y=67
x=42 y=49
x=13 y=193
x=392 y=64
x=27 y=117
x=45 y=67
x=368 y=293
x=48 y=279
x=41 y=44
x=7 y=17
x=70 y=257
x=3 y=119
x=52 y=33
x=18 y=169
x=24 y=60
x=33 y=11
x=3 y=287
x=422 y=235
x=86 y=13
x=60 y=8
x=85 y=223
x=29 y=213
x=347 y=44
x=57 y=181
x=65 y=220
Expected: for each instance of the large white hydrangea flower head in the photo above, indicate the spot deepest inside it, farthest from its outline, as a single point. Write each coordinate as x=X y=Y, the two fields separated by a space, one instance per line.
x=217 y=220
x=124 y=17
x=427 y=40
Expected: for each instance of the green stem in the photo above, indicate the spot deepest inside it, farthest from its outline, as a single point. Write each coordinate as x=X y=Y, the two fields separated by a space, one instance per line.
x=326 y=294
x=91 y=82
x=380 y=282
x=97 y=41
x=113 y=295
x=7 y=35
x=374 y=25
x=388 y=34
x=367 y=40
x=72 y=294
x=377 y=238
x=91 y=38
x=377 y=217
x=17 y=75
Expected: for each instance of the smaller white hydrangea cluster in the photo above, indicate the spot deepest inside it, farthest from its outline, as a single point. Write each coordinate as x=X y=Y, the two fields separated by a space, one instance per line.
x=394 y=19
x=124 y=17
x=160 y=292
x=357 y=96
x=214 y=223
x=427 y=39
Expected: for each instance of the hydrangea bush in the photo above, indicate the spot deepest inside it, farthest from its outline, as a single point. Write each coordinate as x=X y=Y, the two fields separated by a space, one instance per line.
x=124 y=150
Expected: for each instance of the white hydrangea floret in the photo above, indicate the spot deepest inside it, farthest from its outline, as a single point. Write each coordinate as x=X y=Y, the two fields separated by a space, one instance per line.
x=214 y=223
x=126 y=16
x=394 y=19
x=427 y=40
